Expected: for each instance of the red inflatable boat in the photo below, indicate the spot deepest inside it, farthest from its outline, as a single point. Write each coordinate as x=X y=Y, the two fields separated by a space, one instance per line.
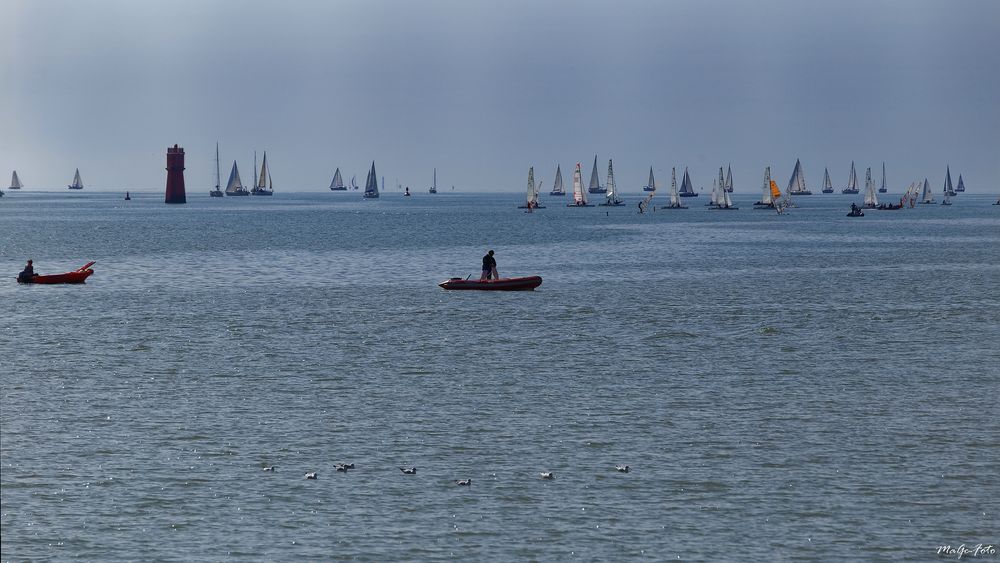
x=79 y=275
x=503 y=284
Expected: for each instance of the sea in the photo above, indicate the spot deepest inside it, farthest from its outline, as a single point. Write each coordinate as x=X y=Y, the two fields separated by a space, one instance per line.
x=798 y=387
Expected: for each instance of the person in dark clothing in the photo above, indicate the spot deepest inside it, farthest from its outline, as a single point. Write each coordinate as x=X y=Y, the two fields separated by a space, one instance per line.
x=28 y=273
x=489 y=267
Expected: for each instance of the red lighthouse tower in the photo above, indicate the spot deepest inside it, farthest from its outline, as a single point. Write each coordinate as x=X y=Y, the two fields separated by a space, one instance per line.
x=175 y=175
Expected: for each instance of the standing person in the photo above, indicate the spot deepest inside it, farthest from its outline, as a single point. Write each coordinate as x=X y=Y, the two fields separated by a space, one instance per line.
x=28 y=273
x=489 y=267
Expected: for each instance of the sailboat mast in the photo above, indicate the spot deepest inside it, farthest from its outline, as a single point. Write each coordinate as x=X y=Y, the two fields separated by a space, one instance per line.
x=218 y=179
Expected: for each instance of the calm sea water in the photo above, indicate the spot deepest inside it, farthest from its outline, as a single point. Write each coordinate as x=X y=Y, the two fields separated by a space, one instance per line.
x=800 y=387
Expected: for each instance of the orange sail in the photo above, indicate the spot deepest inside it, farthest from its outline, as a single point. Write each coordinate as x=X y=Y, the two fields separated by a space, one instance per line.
x=775 y=192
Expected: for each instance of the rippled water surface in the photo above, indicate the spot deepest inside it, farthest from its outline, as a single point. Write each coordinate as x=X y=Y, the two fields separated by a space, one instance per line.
x=807 y=386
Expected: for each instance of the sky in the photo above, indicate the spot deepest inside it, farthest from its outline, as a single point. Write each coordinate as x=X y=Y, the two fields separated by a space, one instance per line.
x=481 y=90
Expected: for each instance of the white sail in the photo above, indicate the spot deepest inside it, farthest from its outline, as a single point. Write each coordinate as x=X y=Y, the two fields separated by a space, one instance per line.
x=371 y=183
x=720 y=199
x=729 y=178
x=434 y=186
x=579 y=196
x=926 y=196
x=532 y=194
x=724 y=199
x=651 y=183
x=797 y=183
x=595 y=185
x=338 y=181
x=675 y=198
x=262 y=178
x=15 y=182
x=77 y=182
x=765 y=197
x=715 y=196
x=871 y=200
x=234 y=185
x=827 y=184
x=557 y=187
x=612 y=191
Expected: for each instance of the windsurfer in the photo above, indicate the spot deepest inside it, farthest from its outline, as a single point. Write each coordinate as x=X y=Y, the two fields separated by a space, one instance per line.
x=489 y=267
x=28 y=273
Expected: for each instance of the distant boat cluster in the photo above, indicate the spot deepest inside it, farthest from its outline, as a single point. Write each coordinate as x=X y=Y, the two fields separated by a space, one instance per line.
x=720 y=199
x=262 y=184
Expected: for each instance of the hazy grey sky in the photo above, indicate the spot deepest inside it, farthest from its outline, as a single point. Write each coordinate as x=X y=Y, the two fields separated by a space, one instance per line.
x=483 y=89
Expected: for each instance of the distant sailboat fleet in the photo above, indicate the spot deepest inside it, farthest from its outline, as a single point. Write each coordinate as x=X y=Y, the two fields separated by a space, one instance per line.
x=721 y=198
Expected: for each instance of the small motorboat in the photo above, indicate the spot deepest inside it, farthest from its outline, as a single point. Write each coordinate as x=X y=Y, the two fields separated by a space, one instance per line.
x=503 y=284
x=79 y=275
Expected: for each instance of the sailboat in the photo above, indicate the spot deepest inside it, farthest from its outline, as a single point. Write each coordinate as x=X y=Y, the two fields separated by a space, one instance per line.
x=371 y=184
x=961 y=185
x=729 y=178
x=77 y=182
x=650 y=184
x=434 y=187
x=15 y=182
x=926 y=196
x=770 y=193
x=353 y=183
x=948 y=190
x=723 y=202
x=947 y=199
x=644 y=204
x=827 y=184
x=852 y=182
x=217 y=192
x=235 y=185
x=337 y=184
x=531 y=201
x=557 y=187
x=263 y=186
x=611 y=196
x=579 y=196
x=714 y=198
x=595 y=185
x=883 y=189
x=797 y=183
x=687 y=190
x=675 y=198
x=871 y=200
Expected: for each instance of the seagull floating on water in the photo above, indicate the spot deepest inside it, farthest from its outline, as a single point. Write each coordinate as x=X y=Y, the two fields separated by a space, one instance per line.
x=547 y=475
x=464 y=482
x=344 y=466
x=311 y=475
x=268 y=468
x=408 y=470
x=623 y=468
